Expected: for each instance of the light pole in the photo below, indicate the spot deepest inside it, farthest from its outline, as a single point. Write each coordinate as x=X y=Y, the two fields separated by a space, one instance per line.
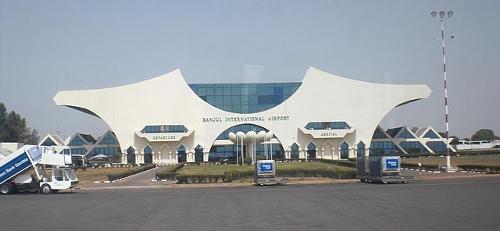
x=442 y=14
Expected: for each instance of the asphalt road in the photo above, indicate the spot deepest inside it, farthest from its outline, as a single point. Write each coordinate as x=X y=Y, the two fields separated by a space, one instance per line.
x=471 y=204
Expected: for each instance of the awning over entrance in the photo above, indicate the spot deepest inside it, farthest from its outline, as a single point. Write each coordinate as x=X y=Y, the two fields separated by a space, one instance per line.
x=327 y=133
x=162 y=137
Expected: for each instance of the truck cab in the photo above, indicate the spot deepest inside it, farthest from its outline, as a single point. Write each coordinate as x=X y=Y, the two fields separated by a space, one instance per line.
x=61 y=178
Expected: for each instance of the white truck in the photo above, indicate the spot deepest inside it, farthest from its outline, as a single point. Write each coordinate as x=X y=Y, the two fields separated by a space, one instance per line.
x=15 y=171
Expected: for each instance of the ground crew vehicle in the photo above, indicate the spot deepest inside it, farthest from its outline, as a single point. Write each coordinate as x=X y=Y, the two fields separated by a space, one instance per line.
x=265 y=174
x=381 y=169
x=15 y=171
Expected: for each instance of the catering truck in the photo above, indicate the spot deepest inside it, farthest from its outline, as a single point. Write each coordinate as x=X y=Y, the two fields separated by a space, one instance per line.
x=381 y=169
x=26 y=170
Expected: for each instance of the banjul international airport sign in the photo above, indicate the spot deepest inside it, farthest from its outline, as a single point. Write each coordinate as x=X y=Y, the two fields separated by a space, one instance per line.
x=238 y=119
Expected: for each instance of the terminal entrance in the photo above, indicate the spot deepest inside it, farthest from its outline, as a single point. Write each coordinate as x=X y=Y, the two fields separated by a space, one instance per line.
x=181 y=154
x=131 y=155
x=198 y=154
x=148 y=155
x=246 y=141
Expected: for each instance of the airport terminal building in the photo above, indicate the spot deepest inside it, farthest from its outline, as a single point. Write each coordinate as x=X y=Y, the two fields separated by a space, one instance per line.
x=165 y=120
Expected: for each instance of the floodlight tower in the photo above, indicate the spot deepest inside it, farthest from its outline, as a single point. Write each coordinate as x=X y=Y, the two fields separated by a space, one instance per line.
x=442 y=15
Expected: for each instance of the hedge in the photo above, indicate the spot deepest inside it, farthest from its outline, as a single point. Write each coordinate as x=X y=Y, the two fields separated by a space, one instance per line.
x=337 y=174
x=232 y=175
x=424 y=166
x=112 y=177
x=480 y=167
x=170 y=173
x=346 y=163
x=190 y=179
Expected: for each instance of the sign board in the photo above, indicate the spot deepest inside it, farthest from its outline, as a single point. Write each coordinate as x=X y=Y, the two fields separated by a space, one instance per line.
x=14 y=166
x=266 y=167
x=391 y=163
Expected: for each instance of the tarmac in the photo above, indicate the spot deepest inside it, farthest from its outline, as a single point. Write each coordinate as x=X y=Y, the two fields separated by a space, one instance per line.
x=437 y=204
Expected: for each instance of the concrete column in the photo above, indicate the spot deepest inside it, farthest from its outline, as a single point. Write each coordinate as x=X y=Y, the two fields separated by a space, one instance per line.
x=302 y=153
x=124 y=158
x=190 y=157
x=205 y=156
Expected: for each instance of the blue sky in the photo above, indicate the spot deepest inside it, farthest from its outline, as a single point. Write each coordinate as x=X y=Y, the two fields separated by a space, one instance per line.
x=47 y=46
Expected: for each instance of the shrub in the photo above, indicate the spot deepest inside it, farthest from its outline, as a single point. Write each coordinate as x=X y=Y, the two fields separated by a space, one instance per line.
x=233 y=174
x=170 y=173
x=190 y=179
x=424 y=166
x=480 y=167
x=321 y=172
x=346 y=163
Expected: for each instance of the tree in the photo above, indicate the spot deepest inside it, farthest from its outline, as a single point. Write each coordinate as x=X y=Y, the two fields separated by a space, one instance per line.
x=454 y=140
x=13 y=128
x=484 y=134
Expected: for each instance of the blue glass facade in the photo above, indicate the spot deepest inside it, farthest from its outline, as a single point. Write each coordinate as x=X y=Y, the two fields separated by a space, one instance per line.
x=405 y=134
x=77 y=151
x=311 y=151
x=361 y=149
x=108 y=151
x=48 y=142
x=431 y=134
x=384 y=148
x=344 y=151
x=379 y=134
x=77 y=141
x=108 y=139
x=413 y=147
x=245 y=97
x=437 y=146
x=181 y=154
x=294 y=151
x=164 y=129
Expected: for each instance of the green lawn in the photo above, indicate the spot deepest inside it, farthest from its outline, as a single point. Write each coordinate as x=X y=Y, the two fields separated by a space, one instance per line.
x=308 y=168
x=460 y=160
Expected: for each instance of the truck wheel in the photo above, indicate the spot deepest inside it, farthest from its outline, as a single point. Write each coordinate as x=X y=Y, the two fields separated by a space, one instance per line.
x=5 y=189
x=45 y=189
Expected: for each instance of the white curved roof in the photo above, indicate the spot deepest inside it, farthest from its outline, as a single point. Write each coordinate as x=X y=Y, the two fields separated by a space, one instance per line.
x=167 y=99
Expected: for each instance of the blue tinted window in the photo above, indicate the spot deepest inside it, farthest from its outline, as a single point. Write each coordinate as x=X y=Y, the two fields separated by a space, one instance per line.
x=164 y=129
x=384 y=148
x=245 y=97
x=431 y=134
x=48 y=142
x=327 y=125
x=108 y=139
x=413 y=147
x=294 y=151
x=77 y=141
x=108 y=151
x=437 y=147
x=405 y=134
x=379 y=134
x=361 y=149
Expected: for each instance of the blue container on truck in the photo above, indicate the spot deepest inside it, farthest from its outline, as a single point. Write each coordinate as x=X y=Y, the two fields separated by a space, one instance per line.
x=380 y=169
